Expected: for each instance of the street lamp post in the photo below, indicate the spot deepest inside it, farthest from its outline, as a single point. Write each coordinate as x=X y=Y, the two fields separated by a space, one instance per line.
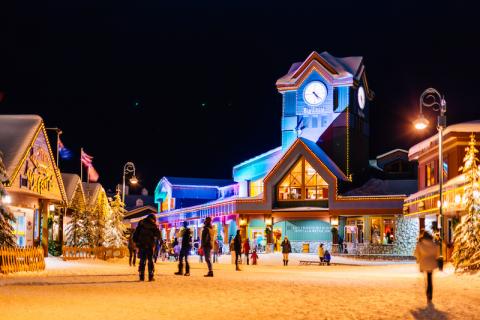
x=433 y=99
x=129 y=167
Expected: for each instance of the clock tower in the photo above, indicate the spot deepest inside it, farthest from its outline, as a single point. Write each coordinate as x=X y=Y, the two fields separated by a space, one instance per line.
x=326 y=100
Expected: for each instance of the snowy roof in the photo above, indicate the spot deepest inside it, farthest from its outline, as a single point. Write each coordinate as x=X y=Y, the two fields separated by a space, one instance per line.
x=377 y=187
x=342 y=67
x=391 y=152
x=70 y=182
x=260 y=156
x=16 y=134
x=182 y=181
x=91 y=190
x=470 y=126
x=325 y=159
x=454 y=182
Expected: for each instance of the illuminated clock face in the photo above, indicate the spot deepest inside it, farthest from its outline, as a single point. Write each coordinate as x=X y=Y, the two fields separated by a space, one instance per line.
x=315 y=93
x=361 y=97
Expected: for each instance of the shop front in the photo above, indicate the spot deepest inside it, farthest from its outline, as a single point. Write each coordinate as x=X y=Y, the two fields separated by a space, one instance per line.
x=35 y=189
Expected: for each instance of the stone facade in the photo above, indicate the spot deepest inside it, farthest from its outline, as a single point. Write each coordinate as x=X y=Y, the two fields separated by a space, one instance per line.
x=406 y=234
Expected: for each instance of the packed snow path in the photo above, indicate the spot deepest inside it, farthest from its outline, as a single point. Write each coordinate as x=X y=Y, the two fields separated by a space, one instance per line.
x=110 y=290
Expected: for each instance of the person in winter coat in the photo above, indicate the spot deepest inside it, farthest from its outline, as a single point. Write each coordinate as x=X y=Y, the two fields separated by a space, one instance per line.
x=144 y=237
x=215 y=251
x=327 y=257
x=208 y=237
x=185 y=250
x=132 y=250
x=321 y=252
x=254 y=257
x=286 y=249
x=246 y=249
x=427 y=253
x=237 y=246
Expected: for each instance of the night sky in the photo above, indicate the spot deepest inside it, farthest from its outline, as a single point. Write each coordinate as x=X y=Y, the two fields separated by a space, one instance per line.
x=189 y=90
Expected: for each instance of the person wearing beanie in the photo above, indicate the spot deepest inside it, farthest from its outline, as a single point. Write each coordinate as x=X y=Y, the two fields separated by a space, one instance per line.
x=185 y=250
x=208 y=237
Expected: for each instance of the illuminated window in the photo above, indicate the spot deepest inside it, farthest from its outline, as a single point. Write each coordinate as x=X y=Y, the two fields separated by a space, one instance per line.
x=256 y=187
x=302 y=182
x=429 y=174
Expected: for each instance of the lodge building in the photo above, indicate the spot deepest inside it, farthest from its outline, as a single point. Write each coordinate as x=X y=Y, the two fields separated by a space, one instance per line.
x=422 y=207
x=319 y=185
x=33 y=183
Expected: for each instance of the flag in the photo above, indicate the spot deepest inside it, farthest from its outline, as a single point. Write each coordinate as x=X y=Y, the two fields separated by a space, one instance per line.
x=86 y=159
x=64 y=152
x=92 y=174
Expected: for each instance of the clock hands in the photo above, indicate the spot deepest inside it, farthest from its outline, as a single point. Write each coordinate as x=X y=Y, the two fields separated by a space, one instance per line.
x=315 y=94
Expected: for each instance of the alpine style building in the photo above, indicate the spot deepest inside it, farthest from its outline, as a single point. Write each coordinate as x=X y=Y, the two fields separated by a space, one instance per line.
x=319 y=186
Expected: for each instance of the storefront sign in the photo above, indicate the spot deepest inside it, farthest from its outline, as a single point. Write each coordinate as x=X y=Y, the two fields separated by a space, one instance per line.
x=39 y=171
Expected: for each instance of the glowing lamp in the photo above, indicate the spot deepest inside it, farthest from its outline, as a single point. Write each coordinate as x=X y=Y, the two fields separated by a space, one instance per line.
x=268 y=222
x=51 y=207
x=458 y=199
x=421 y=122
x=7 y=199
x=133 y=180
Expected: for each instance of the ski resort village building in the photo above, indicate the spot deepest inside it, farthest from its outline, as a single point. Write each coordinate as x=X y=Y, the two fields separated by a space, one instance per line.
x=422 y=207
x=319 y=185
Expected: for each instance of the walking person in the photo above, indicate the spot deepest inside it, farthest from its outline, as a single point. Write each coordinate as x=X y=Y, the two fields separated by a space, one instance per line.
x=237 y=246
x=208 y=236
x=286 y=249
x=246 y=249
x=144 y=237
x=215 y=251
x=254 y=257
x=427 y=253
x=185 y=250
x=132 y=250
x=321 y=252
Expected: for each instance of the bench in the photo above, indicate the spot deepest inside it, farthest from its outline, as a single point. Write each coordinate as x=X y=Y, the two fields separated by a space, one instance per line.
x=312 y=262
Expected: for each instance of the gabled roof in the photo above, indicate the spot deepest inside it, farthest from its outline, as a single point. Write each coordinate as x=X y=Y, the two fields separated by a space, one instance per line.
x=16 y=135
x=71 y=182
x=140 y=212
x=199 y=182
x=338 y=68
x=91 y=189
x=470 y=126
x=325 y=159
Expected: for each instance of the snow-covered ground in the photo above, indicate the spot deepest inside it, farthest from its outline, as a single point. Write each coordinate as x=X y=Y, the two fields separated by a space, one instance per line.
x=91 y=289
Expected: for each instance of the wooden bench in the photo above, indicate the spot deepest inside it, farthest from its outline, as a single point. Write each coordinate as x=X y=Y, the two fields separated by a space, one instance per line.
x=312 y=262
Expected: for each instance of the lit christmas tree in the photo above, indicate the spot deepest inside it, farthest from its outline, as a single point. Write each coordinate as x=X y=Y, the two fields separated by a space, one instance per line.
x=466 y=253
x=74 y=228
x=7 y=238
x=115 y=229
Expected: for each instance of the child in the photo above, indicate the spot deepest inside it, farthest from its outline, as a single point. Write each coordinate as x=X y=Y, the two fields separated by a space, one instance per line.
x=327 y=257
x=200 y=254
x=254 y=257
x=321 y=252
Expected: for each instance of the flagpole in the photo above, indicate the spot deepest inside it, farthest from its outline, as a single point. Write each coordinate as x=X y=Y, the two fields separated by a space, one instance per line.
x=81 y=165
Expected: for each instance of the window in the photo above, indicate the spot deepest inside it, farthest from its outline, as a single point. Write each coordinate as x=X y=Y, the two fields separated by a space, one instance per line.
x=445 y=168
x=324 y=121
x=314 y=122
x=429 y=174
x=256 y=187
x=382 y=230
x=302 y=182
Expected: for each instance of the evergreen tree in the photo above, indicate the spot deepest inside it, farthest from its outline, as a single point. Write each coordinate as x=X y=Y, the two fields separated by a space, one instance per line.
x=7 y=237
x=466 y=253
x=115 y=229
x=88 y=231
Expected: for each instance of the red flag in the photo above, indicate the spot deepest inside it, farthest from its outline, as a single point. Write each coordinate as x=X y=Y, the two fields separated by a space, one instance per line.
x=86 y=159
x=92 y=174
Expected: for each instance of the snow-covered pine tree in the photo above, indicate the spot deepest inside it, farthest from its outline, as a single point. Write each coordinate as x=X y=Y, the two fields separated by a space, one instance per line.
x=466 y=252
x=115 y=229
x=88 y=229
x=74 y=229
x=7 y=238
